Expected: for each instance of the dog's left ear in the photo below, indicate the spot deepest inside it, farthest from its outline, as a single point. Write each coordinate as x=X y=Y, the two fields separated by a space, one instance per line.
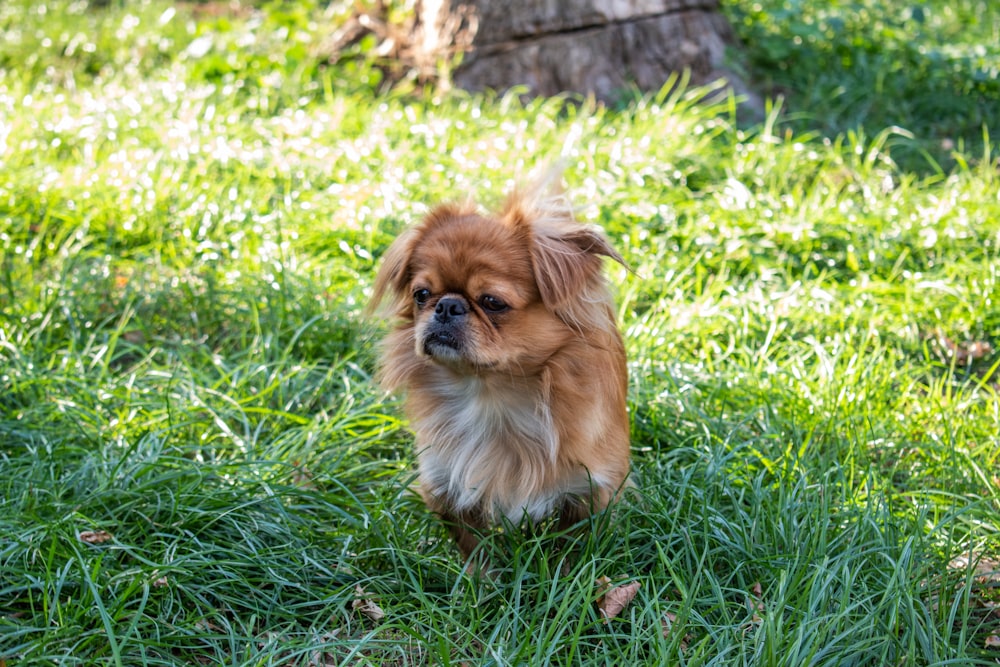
x=567 y=264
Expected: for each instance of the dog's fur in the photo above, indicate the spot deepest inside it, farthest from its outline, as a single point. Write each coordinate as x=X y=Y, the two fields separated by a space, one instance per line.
x=512 y=367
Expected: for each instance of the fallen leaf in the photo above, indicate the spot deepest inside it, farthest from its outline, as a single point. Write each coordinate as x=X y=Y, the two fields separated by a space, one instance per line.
x=757 y=593
x=669 y=619
x=205 y=625
x=984 y=567
x=160 y=583
x=134 y=337
x=614 y=599
x=993 y=641
x=965 y=353
x=754 y=601
x=95 y=536
x=322 y=658
x=302 y=476
x=667 y=625
x=972 y=351
x=366 y=606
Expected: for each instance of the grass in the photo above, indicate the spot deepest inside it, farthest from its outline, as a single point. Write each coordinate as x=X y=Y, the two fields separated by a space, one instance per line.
x=195 y=464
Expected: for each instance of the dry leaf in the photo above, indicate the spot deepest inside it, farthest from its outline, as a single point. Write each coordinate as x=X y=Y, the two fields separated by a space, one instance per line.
x=160 y=582
x=975 y=350
x=205 y=625
x=756 y=597
x=613 y=600
x=669 y=619
x=993 y=641
x=302 y=477
x=964 y=354
x=134 y=337
x=95 y=536
x=985 y=568
x=366 y=606
x=323 y=658
x=755 y=603
x=667 y=625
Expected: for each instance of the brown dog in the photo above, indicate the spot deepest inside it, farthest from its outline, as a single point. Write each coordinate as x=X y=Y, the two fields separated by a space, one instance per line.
x=512 y=366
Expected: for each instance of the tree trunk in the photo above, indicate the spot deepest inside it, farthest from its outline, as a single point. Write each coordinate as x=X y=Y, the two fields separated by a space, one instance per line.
x=598 y=47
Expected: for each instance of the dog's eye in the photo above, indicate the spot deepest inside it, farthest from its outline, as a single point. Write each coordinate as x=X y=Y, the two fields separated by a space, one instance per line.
x=421 y=296
x=492 y=303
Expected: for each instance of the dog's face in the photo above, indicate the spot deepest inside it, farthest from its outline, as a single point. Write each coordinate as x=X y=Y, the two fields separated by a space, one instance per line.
x=479 y=293
x=475 y=301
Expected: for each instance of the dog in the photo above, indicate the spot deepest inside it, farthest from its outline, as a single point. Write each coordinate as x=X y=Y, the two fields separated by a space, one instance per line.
x=511 y=364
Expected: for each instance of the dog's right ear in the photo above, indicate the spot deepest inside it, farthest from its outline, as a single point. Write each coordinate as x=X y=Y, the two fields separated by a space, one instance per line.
x=394 y=274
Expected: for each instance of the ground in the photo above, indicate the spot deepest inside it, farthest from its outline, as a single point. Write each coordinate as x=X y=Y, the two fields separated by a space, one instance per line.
x=197 y=467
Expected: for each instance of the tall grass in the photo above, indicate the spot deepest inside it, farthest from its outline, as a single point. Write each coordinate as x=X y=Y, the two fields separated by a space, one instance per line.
x=197 y=468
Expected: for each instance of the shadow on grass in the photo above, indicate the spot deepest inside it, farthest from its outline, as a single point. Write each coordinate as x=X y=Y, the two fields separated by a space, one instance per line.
x=844 y=66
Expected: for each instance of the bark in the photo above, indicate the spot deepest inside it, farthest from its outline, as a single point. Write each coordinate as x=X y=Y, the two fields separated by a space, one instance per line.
x=598 y=47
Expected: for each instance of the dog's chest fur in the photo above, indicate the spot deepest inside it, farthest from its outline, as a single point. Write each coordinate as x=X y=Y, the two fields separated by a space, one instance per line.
x=492 y=449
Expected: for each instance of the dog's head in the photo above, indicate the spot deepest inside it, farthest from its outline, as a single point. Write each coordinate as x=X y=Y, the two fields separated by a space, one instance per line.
x=497 y=292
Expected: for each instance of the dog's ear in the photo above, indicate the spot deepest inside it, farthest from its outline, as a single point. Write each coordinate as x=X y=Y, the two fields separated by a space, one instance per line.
x=565 y=255
x=394 y=274
x=567 y=264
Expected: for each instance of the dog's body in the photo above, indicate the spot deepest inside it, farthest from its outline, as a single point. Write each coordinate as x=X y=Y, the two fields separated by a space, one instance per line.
x=511 y=363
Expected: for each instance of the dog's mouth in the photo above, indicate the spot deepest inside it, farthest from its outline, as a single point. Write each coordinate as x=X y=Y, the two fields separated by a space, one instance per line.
x=444 y=343
x=436 y=342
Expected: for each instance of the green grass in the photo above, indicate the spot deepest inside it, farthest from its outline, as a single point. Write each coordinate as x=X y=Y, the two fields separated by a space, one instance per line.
x=192 y=208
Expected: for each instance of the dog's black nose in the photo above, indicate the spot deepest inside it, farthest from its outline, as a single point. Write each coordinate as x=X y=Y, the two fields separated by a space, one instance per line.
x=448 y=308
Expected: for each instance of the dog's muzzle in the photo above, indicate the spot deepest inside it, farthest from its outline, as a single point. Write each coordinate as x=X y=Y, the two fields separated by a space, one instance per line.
x=447 y=325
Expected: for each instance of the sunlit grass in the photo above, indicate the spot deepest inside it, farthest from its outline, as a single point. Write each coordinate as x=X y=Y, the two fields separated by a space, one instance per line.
x=192 y=206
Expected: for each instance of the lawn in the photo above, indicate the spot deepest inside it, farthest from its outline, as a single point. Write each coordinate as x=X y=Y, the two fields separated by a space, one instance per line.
x=196 y=466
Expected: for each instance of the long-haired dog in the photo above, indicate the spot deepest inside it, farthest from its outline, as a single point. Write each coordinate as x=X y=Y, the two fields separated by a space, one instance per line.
x=511 y=364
